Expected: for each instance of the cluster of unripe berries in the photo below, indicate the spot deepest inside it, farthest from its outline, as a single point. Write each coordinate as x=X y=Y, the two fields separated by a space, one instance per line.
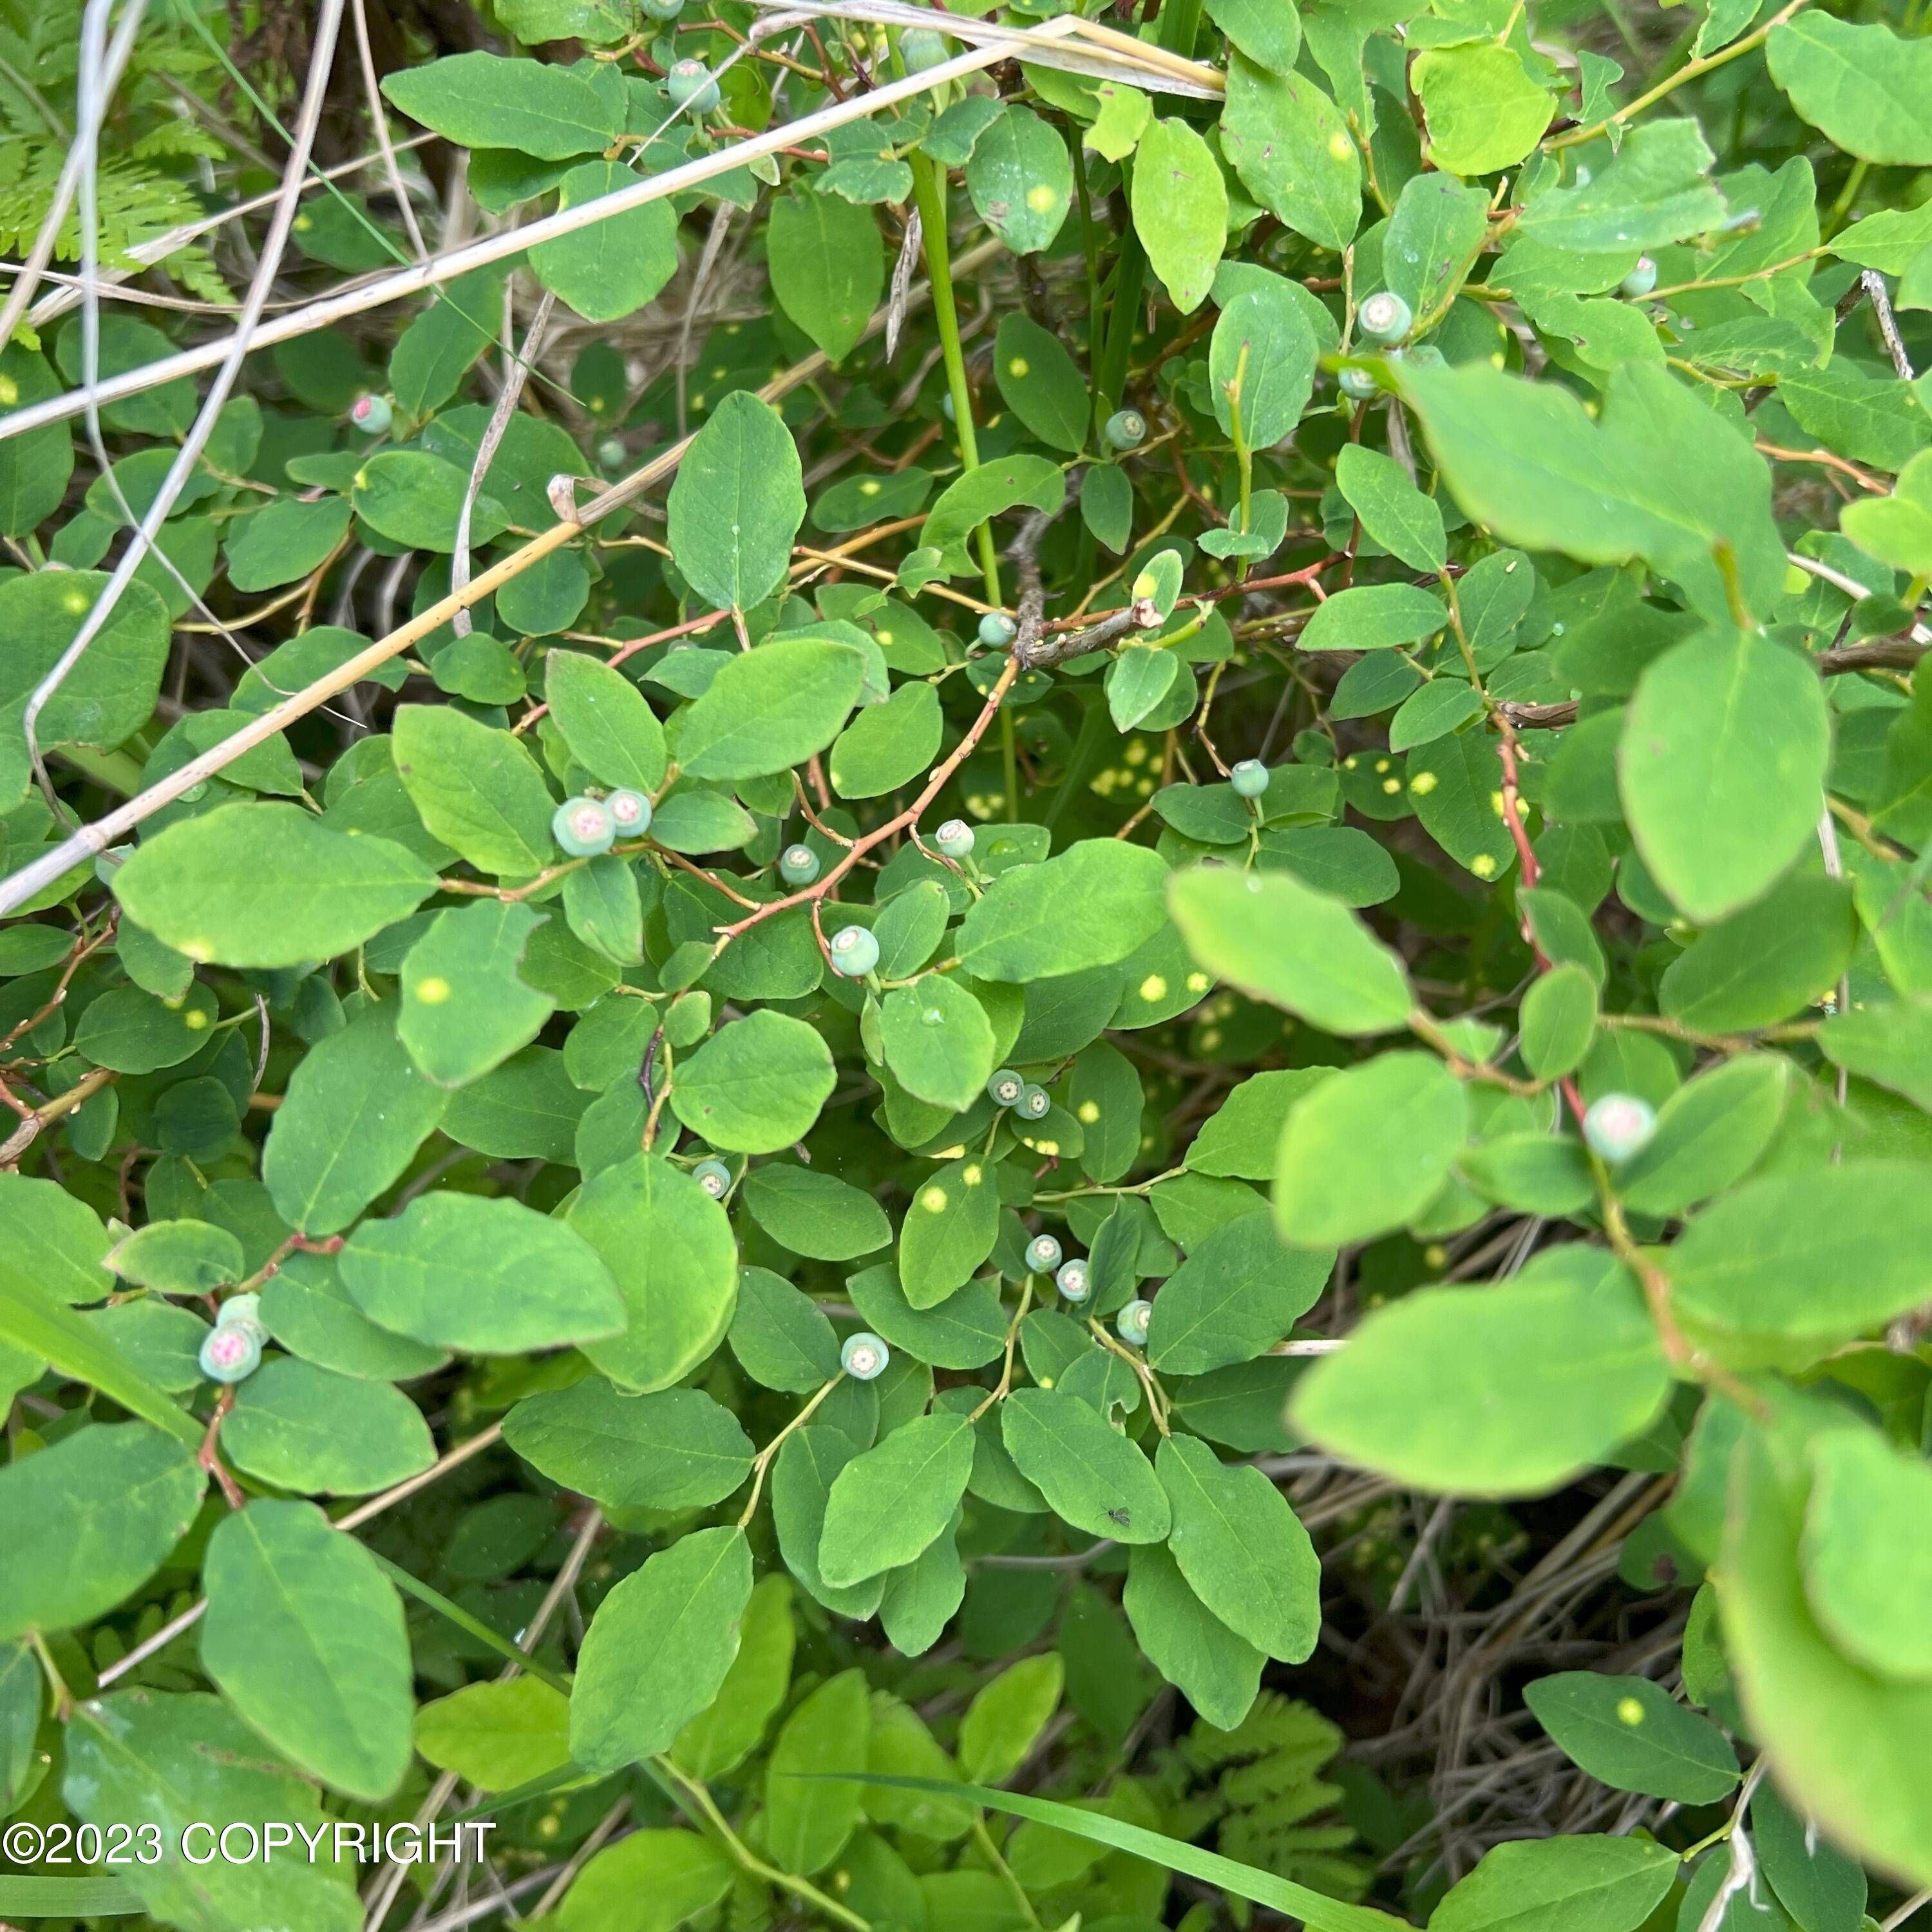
x=584 y=826
x=1383 y=317
x=1007 y=1089
x=232 y=1348
x=1618 y=1125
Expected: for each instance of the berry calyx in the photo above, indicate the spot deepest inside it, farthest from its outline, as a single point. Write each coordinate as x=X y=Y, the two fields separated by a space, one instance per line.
x=955 y=839
x=631 y=811
x=854 y=952
x=997 y=631
x=1358 y=383
x=1250 y=779
x=1033 y=1102
x=922 y=48
x=583 y=826
x=690 y=85
x=864 y=1357
x=372 y=415
x=1616 y=1125
x=1005 y=1088
x=1073 y=1280
x=1641 y=280
x=1125 y=429
x=1385 y=317
x=798 y=865
x=612 y=454
x=230 y=1351
x=714 y=1177
x=1042 y=1254
x=1131 y=1323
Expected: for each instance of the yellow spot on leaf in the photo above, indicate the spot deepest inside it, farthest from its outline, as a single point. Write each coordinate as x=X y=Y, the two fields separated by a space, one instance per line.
x=432 y=992
x=973 y=1175
x=1089 y=1112
x=1040 y=199
x=1630 y=1711
x=1339 y=145
x=1153 y=988
x=1019 y=366
x=195 y=1020
x=934 y=1200
x=1483 y=866
x=1423 y=783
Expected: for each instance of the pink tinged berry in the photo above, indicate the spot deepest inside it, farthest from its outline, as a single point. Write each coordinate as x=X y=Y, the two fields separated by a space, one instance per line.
x=1616 y=1125
x=864 y=1357
x=1131 y=1323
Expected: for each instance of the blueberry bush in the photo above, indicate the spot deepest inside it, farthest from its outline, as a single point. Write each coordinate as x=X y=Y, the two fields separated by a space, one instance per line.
x=966 y=972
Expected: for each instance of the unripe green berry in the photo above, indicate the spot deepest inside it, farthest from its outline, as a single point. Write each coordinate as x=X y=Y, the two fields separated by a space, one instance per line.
x=798 y=865
x=243 y=1307
x=1131 y=1323
x=1005 y=1088
x=612 y=454
x=583 y=826
x=663 y=10
x=1358 y=383
x=1250 y=779
x=1641 y=280
x=955 y=839
x=1125 y=429
x=714 y=1177
x=922 y=48
x=230 y=1351
x=1042 y=1254
x=1385 y=317
x=1033 y=1102
x=1616 y=1125
x=631 y=812
x=864 y=1357
x=372 y=415
x=854 y=952
x=690 y=85
x=1072 y=1281
x=997 y=631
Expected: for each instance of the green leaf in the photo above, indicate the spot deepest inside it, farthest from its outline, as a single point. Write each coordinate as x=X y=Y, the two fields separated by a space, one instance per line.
x=1816 y=1266
x=179 y=1258
x=1088 y=906
x=949 y=1230
x=38 y=1330
x=649 y=1881
x=490 y=1277
x=496 y=1734
x=1765 y=963
x=110 y=692
x=438 y=347
x=1654 y=191
x=658 y=1649
x=779 y=1335
x=801 y=1480
x=1041 y=383
x=1138 y=681
x=808 y=1816
x=888 y=744
x=1021 y=180
x=612 y=732
x=1271 y=936
x=133 y=1032
x=1433 y=235
x=1871 y=1592
x=1559 y=1021
x=675 y=1450
x=415 y=498
x=814 y=1213
x=1632 y=1735
x=1363 y=1152
x=720 y=1737
x=1709 y=1134
x=1374 y=617
x=267 y=886
x=668 y=1246
x=465 y=1007
x=757 y=1085
x=1897 y=529
x=735 y=507
x=484 y=101
x=1560 y=1885
x=304 y=1635
x=886 y=1505
x=1262 y=353
x=994 y=487
x=772 y=708
x=307 y=1430
x=937 y=1041
x=1289 y=144
x=1393 y=510
x=54 y=1248
x=477 y=789
x=828 y=267
x=88 y=1519
x=1088 y=1472
x=1658 y=476
x=355 y=1112
x=1721 y=767
x=1862 y=86
x=967 y=1331
x=1268 y=32
x=1484 y=111
x=1236 y=1295
x=1507 y=1390
x=1007 y=1714
x=1241 y=1550
x=284 y=542
x=1217 y=1671
x=620 y=262
x=1180 y=210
